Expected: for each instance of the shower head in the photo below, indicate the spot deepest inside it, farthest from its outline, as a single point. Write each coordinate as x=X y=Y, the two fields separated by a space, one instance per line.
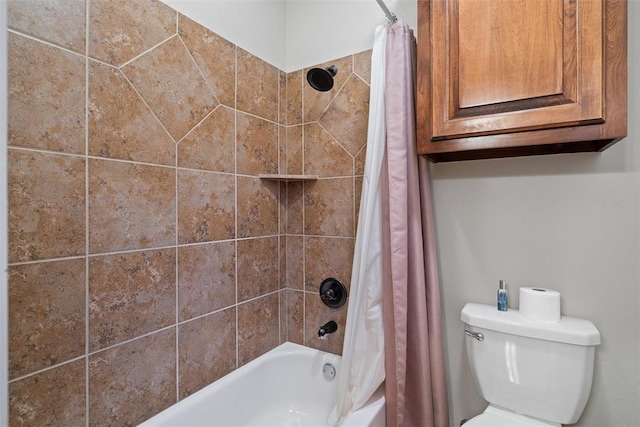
x=322 y=79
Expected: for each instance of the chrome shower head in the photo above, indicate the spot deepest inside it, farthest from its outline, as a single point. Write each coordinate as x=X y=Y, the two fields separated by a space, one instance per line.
x=322 y=79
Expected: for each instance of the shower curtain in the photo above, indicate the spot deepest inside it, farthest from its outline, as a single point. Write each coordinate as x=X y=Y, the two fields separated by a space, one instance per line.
x=362 y=366
x=393 y=319
x=416 y=391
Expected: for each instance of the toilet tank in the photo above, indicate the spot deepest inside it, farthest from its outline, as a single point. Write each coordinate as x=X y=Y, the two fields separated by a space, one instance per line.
x=534 y=368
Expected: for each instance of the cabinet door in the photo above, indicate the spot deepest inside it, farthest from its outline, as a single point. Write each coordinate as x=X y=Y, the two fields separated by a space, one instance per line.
x=504 y=66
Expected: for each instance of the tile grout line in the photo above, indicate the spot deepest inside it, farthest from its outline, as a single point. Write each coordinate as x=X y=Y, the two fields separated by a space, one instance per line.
x=285 y=202
x=304 y=236
x=280 y=135
x=146 y=104
x=87 y=301
x=50 y=368
x=137 y=162
x=235 y=195
x=176 y=279
x=159 y=248
x=47 y=43
x=136 y=338
x=130 y=340
x=279 y=171
x=130 y=61
x=206 y=81
x=177 y=241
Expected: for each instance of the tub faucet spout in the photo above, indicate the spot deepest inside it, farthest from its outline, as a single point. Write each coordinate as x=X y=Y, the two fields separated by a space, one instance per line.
x=327 y=328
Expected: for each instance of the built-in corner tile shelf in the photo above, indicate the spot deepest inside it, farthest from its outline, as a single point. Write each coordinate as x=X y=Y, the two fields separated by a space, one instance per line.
x=287 y=178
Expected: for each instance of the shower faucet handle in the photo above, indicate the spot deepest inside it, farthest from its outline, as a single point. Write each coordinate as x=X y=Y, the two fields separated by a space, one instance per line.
x=330 y=295
x=333 y=293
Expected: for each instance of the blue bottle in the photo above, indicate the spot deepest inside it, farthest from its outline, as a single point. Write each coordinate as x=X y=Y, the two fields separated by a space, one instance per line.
x=502 y=296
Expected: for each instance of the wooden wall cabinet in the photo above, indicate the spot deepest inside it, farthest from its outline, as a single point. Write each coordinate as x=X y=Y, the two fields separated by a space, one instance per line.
x=500 y=78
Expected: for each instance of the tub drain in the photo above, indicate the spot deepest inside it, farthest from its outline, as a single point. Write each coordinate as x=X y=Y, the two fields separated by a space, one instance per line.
x=328 y=371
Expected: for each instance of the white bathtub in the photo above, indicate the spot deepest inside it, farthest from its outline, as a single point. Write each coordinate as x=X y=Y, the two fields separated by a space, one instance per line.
x=284 y=387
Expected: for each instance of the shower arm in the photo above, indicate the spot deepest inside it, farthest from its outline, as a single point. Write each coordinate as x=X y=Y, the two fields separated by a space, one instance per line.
x=391 y=17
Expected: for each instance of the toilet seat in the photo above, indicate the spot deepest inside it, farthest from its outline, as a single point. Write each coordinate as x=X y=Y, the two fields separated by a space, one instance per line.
x=496 y=417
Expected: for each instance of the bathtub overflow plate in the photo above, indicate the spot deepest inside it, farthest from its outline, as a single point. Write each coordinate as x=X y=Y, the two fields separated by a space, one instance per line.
x=328 y=371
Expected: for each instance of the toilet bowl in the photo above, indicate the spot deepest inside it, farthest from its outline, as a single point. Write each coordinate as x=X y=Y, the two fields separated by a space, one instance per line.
x=532 y=373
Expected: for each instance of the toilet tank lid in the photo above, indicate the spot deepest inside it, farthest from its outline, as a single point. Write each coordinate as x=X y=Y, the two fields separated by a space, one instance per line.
x=569 y=330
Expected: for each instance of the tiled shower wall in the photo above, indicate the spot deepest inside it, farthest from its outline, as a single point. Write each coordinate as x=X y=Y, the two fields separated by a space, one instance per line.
x=146 y=257
x=326 y=134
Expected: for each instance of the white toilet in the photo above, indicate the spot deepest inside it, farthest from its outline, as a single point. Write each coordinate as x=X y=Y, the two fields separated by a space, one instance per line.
x=532 y=373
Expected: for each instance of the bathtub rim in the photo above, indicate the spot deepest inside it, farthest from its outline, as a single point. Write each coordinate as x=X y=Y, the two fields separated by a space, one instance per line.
x=371 y=411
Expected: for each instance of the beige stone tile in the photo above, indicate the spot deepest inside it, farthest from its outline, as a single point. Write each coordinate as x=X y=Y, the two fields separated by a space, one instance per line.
x=282 y=305
x=295 y=262
x=295 y=316
x=282 y=97
x=317 y=314
x=258 y=86
x=282 y=201
x=295 y=80
x=215 y=56
x=55 y=397
x=258 y=330
x=316 y=102
x=327 y=257
x=206 y=278
x=46 y=205
x=258 y=207
x=169 y=81
x=120 y=30
x=295 y=207
x=362 y=65
x=294 y=150
x=206 y=208
x=328 y=207
x=323 y=155
x=35 y=18
x=131 y=206
x=130 y=294
x=282 y=259
x=46 y=315
x=360 y=160
x=257 y=267
x=46 y=96
x=282 y=149
x=257 y=145
x=121 y=126
x=207 y=350
x=133 y=381
x=347 y=116
x=211 y=144
x=358 y=198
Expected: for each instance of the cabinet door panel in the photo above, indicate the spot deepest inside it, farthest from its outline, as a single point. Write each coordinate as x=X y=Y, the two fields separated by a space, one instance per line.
x=503 y=44
x=501 y=66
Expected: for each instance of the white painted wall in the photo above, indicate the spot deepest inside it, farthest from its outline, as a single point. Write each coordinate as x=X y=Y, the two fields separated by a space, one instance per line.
x=4 y=323
x=294 y=34
x=567 y=222
x=322 y=30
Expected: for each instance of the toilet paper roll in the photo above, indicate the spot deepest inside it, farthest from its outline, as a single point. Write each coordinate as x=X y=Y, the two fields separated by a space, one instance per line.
x=540 y=304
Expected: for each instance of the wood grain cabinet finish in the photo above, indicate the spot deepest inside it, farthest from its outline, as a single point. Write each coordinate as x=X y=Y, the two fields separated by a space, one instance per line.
x=499 y=78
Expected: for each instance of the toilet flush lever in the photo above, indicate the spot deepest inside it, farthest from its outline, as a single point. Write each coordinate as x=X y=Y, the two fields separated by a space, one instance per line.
x=476 y=335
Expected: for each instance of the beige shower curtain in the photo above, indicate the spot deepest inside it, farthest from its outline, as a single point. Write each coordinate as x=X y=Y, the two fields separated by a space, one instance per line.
x=416 y=391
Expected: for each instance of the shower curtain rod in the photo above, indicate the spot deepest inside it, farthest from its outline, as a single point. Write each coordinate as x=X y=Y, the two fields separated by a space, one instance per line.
x=391 y=17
